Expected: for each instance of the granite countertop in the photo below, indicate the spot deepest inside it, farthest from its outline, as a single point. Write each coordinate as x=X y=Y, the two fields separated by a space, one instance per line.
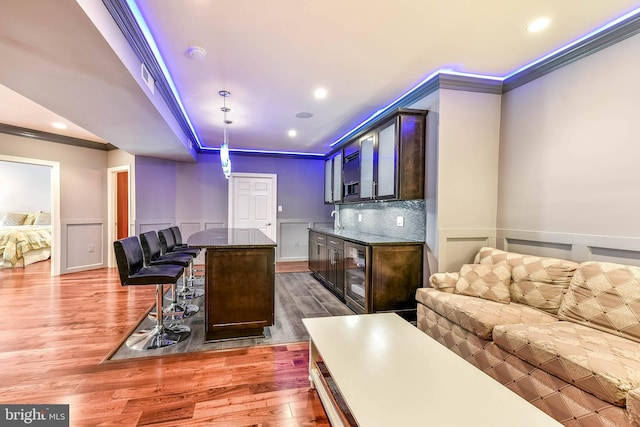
x=230 y=238
x=365 y=238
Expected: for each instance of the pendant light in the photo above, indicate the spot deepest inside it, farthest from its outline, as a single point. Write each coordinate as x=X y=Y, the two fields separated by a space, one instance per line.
x=225 y=161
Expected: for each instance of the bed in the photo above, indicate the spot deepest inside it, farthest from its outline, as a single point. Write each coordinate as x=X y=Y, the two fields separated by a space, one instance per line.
x=24 y=242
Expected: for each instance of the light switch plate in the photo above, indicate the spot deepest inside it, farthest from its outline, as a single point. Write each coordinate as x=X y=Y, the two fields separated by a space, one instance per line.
x=400 y=221
x=279 y=208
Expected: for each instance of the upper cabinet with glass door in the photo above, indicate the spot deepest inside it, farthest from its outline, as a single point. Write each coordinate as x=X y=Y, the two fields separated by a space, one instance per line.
x=333 y=179
x=392 y=158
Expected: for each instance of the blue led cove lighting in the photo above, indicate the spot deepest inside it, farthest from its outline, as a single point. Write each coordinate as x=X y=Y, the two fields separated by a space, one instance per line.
x=436 y=74
x=396 y=103
x=133 y=7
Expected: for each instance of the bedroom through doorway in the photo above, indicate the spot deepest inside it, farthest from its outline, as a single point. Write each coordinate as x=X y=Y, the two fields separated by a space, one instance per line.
x=31 y=196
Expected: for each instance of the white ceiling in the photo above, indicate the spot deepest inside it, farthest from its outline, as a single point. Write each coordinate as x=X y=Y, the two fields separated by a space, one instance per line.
x=66 y=60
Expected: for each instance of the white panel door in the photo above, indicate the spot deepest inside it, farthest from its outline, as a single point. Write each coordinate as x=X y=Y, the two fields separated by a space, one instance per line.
x=252 y=202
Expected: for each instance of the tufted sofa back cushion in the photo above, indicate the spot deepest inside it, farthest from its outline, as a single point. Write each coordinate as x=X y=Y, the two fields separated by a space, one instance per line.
x=605 y=296
x=538 y=282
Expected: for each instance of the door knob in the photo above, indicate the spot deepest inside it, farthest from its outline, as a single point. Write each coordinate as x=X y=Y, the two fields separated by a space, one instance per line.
x=268 y=224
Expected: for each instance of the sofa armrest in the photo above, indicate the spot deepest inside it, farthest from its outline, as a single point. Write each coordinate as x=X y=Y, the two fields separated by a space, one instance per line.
x=445 y=282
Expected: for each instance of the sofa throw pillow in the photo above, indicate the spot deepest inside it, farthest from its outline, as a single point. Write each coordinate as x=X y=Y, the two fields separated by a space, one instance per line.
x=490 y=282
x=605 y=296
x=43 y=218
x=541 y=282
x=12 y=218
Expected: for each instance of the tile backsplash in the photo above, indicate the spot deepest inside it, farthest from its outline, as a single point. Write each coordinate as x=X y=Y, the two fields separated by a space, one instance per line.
x=382 y=218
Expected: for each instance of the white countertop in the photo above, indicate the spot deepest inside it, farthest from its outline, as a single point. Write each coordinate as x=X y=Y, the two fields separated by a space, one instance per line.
x=392 y=374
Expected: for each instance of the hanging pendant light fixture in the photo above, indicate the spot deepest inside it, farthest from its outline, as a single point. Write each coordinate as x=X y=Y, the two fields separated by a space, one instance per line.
x=225 y=161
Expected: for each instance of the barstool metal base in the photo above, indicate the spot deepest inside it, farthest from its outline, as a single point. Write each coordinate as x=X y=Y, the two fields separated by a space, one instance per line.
x=158 y=337
x=188 y=293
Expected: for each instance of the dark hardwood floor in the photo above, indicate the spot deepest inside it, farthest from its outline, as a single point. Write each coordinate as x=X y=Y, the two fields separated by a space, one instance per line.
x=57 y=332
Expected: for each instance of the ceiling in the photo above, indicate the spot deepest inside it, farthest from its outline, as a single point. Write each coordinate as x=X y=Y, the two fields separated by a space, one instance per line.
x=67 y=61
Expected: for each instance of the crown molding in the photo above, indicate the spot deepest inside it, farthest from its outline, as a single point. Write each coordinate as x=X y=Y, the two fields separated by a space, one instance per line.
x=608 y=37
x=52 y=137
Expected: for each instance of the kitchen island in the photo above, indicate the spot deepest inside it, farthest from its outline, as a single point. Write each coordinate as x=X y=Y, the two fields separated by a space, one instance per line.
x=239 y=281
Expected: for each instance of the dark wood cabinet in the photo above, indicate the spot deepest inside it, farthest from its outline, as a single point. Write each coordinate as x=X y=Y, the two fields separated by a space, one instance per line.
x=370 y=278
x=239 y=281
x=335 y=266
x=318 y=255
x=386 y=161
x=240 y=300
x=333 y=178
x=392 y=158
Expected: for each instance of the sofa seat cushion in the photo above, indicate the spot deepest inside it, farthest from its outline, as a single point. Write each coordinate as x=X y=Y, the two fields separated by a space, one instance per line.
x=597 y=362
x=478 y=315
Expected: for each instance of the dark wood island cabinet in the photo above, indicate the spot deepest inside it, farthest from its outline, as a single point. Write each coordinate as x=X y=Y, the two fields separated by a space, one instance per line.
x=239 y=281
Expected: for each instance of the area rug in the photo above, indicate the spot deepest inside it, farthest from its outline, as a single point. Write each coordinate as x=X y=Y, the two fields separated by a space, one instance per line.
x=297 y=296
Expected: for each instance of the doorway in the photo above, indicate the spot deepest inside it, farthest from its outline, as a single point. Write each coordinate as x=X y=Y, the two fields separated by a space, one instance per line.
x=119 y=206
x=55 y=205
x=252 y=202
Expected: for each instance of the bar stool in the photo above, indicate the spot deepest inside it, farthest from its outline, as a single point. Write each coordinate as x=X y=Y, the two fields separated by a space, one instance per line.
x=151 y=250
x=132 y=272
x=167 y=245
x=177 y=237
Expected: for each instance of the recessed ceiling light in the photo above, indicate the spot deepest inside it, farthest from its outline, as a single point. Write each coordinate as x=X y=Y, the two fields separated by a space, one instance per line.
x=304 y=115
x=320 y=93
x=292 y=133
x=538 y=25
x=59 y=125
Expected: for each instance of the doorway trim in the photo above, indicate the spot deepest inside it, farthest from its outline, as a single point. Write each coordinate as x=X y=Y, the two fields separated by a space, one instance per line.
x=55 y=205
x=112 y=194
x=274 y=198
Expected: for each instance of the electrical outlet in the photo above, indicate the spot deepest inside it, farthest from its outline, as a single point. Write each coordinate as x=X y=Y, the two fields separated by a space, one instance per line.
x=359 y=217
x=400 y=221
x=91 y=248
x=279 y=208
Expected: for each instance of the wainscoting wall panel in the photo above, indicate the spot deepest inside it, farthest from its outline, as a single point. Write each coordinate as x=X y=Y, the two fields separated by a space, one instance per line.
x=576 y=247
x=458 y=246
x=293 y=240
x=214 y=224
x=152 y=224
x=83 y=243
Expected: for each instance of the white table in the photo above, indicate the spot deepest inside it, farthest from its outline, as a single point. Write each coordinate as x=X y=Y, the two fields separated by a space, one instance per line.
x=392 y=374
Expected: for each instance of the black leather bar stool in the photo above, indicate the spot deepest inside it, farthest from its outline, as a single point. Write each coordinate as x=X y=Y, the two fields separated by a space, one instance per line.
x=168 y=246
x=151 y=250
x=177 y=237
x=132 y=271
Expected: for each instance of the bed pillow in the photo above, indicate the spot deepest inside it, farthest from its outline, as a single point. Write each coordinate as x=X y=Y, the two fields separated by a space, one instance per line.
x=12 y=218
x=31 y=217
x=43 y=218
x=485 y=281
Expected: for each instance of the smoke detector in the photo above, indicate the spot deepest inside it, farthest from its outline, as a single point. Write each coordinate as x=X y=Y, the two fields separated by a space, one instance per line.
x=197 y=53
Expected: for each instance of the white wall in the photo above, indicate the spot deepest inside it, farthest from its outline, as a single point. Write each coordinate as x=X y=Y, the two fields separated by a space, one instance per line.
x=83 y=201
x=20 y=179
x=461 y=175
x=194 y=196
x=569 y=153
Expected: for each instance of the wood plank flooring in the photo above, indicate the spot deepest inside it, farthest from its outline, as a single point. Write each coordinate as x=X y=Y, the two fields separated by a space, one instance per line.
x=56 y=333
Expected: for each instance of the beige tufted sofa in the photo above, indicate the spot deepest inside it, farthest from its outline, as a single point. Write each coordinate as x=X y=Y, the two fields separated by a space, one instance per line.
x=565 y=336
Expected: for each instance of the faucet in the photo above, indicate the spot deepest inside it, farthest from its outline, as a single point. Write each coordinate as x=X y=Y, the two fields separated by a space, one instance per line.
x=336 y=219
